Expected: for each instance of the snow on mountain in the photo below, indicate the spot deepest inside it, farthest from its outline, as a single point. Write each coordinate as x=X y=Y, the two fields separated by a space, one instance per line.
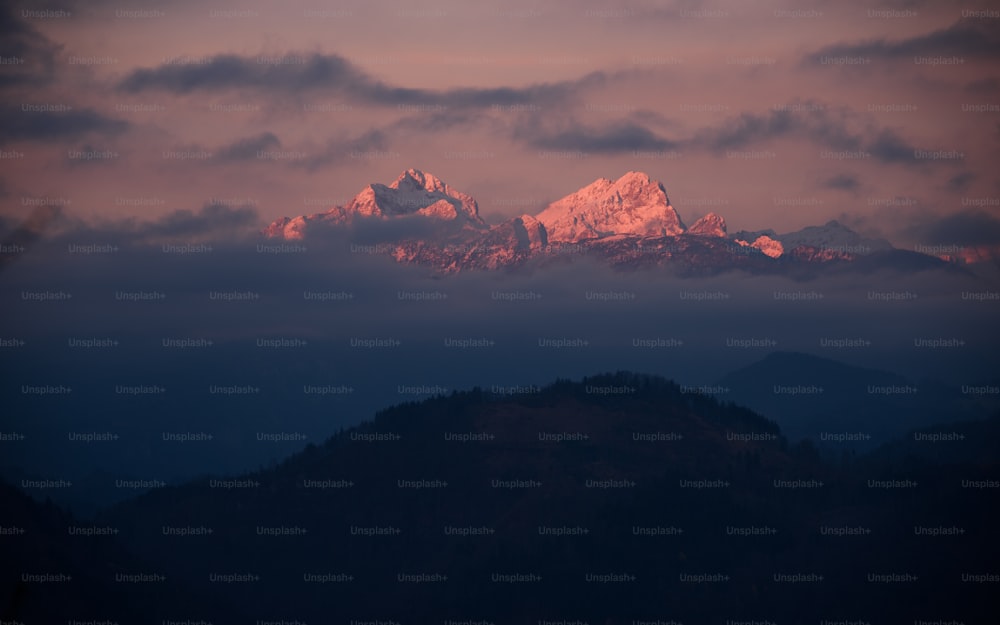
x=766 y=245
x=627 y=223
x=831 y=241
x=833 y=236
x=288 y=228
x=711 y=225
x=412 y=193
x=415 y=193
x=634 y=204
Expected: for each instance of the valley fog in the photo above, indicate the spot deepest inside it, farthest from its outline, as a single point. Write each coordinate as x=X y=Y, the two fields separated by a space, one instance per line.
x=229 y=359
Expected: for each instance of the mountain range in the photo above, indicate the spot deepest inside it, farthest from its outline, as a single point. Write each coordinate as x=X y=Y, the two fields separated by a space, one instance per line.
x=628 y=223
x=613 y=499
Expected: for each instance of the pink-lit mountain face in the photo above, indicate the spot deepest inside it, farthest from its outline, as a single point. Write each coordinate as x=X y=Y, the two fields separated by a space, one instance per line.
x=633 y=205
x=628 y=223
x=413 y=193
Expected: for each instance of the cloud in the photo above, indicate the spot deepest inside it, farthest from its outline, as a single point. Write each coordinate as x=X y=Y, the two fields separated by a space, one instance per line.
x=889 y=147
x=248 y=148
x=19 y=125
x=23 y=41
x=330 y=73
x=843 y=182
x=547 y=125
x=211 y=220
x=308 y=156
x=983 y=86
x=960 y=182
x=829 y=127
x=439 y=121
x=616 y=137
x=832 y=128
x=964 y=228
x=267 y=147
x=21 y=235
x=749 y=128
x=229 y=71
x=340 y=149
x=964 y=38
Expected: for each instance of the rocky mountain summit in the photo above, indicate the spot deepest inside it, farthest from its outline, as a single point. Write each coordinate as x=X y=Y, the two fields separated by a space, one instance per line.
x=628 y=223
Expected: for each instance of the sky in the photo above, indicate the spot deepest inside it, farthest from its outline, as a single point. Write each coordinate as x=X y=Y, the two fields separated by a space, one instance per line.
x=773 y=114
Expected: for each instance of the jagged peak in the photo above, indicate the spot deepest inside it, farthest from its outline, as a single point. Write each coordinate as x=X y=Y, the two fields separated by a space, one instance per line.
x=413 y=178
x=634 y=204
x=769 y=246
x=711 y=224
x=631 y=182
x=635 y=177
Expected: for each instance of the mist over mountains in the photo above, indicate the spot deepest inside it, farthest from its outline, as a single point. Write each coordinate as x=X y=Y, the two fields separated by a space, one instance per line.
x=189 y=413
x=192 y=345
x=627 y=223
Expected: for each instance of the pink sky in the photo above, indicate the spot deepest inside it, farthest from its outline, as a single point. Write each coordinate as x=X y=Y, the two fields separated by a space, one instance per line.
x=736 y=107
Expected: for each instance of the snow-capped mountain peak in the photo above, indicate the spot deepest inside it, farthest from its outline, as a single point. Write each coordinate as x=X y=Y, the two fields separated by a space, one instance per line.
x=413 y=192
x=416 y=193
x=834 y=236
x=711 y=225
x=634 y=205
x=414 y=179
x=628 y=223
